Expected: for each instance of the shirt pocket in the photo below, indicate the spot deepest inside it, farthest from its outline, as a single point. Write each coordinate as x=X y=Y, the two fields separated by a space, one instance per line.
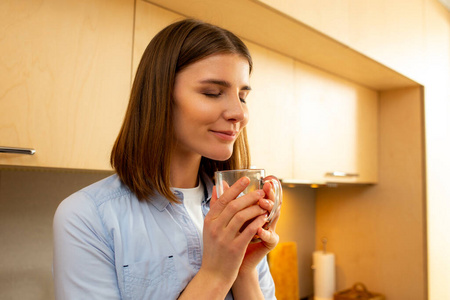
x=152 y=279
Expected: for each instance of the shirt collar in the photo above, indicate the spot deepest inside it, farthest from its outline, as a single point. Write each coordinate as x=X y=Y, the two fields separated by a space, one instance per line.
x=159 y=202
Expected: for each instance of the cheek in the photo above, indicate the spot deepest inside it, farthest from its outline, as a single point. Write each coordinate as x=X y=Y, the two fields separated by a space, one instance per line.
x=201 y=113
x=198 y=115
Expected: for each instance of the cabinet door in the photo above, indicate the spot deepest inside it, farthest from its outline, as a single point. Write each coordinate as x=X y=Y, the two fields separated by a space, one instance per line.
x=65 y=69
x=336 y=129
x=271 y=108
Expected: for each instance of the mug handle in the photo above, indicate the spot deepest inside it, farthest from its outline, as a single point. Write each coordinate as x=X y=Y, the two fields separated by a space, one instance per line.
x=278 y=192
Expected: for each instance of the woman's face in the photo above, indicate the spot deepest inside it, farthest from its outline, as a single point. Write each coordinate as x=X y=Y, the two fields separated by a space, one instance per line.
x=210 y=110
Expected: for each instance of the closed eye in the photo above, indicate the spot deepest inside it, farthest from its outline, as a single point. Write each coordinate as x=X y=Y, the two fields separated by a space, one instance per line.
x=243 y=95
x=212 y=95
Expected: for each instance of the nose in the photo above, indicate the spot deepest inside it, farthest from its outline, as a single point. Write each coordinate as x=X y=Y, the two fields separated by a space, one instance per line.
x=235 y=111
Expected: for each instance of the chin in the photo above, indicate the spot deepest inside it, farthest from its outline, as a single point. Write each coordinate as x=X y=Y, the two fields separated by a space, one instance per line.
x=219 y=155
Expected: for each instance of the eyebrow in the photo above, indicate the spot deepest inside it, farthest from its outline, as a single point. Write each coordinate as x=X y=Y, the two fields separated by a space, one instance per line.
x=224 y=83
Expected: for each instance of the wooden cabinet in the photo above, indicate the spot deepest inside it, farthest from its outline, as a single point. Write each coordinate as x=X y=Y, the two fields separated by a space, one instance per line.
x=336 y=129
x=309 y=126
x=65 y=78
x=271 y=106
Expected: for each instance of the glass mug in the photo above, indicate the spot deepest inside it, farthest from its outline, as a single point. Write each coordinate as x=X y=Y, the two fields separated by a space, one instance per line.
x=225 y=179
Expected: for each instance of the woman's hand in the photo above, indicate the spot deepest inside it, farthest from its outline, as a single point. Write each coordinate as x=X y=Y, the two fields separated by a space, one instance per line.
x=225 y=241
x=229 y=259
x=248 y=274
x=269 y=238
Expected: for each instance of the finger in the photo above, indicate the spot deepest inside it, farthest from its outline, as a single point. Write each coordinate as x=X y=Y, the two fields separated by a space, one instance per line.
x=268 y=189
x=228 y=195
x=268 y=237
x=266 y=204
x=244 y=217
x=235 y=207
x=252 y=229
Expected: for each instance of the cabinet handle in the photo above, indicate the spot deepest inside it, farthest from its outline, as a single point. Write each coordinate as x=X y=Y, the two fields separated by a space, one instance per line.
x=14 y=150
x=341 y=174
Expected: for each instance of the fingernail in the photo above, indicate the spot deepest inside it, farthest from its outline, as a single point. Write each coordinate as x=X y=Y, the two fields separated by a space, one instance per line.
x=245 y=181
x=261 y=193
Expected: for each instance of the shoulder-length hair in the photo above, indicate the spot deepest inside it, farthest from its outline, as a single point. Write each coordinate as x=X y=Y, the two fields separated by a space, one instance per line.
x=141 y=153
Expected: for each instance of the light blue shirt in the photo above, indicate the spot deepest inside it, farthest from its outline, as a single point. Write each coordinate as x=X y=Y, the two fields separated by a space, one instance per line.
x=109 y=245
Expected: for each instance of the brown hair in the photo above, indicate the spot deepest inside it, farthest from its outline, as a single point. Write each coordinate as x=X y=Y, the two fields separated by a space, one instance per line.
x=141 y=153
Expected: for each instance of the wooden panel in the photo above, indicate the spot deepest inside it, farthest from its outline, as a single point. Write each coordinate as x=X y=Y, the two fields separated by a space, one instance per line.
x=329 y=17
x=335 y=128
x=65 y=73
x=390 y=32
x=378 y=232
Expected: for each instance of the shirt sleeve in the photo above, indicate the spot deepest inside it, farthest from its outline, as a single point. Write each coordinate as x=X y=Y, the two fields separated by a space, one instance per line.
x=266 y=282
x=83 y=260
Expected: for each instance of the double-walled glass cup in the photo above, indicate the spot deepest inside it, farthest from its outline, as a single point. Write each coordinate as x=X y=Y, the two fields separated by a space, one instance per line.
x=225 y=179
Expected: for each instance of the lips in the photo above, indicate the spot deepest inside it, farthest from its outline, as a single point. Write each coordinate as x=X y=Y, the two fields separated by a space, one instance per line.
x=226 y=135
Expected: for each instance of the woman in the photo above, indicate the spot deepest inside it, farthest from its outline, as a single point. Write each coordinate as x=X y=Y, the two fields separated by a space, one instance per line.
x=156 y=230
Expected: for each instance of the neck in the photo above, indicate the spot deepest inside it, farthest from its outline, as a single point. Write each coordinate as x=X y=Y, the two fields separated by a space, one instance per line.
x=184 y=172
